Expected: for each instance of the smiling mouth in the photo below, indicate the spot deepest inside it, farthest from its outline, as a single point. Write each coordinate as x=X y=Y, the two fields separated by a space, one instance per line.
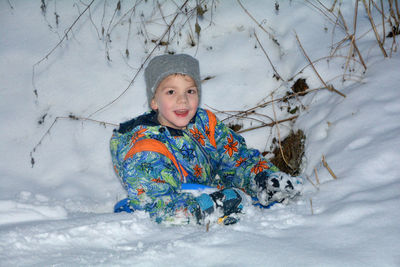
x=181 y=113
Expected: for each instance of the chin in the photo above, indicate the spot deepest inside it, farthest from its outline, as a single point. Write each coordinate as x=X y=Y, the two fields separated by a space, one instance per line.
x=182 y=125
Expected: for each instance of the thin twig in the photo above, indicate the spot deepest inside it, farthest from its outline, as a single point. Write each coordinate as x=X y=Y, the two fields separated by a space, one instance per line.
x=328 y=168
x=108 y=33
x=380 y=10
x=102 y=19
x=55 y=47
x=94 y=25
x=322 y=58
x=392 y=11
x=333 y=6
x=308 y=178
x=65 y=35
x=383 y=23
x=316 y=175
x=129 y=12
x=278 y=76
x=323 y=13
x=258 y=24
x=263 y=105
x=167 y=42
x=352 y=38
x=329 y=87
x=142 y=65
x=268 y=124
x=9 y=3
x=397 y=9
x=70 y=117
x=312 y=211
x=371 y=20
x=279 y=136
x=241 y=116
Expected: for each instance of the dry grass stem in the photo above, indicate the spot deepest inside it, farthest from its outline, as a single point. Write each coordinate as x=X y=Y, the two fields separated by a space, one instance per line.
x=329 y=87
x=383 y=23
x=333 y=6
x=278 y=76
x=258 y=24
x=308 y=179
x=316 y=175
x=397 y=9
x=11 y=6
x=396 y=19
x=312 y=211
x=56 y=46
x=329 y=57
x=279 y=135
x=70 y=117
x=143 y=63
x=244 y=113
x=65 y=35
x=371 y=20
x=328 y=168
x=268 y=124
x=352 y=38
x=322 y=11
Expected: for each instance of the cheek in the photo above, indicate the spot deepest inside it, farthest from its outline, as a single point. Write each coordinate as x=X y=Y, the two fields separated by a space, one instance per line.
x=164 y=104
x=194 y=99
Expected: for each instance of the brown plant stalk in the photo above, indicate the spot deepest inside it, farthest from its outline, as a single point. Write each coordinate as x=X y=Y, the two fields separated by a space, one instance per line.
x=329 y=87
x=328 y=168
x=56 y=46
x=143 y=63
x=371 y=20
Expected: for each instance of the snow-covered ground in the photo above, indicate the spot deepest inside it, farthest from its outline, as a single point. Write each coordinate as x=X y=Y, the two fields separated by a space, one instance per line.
x=56 y=203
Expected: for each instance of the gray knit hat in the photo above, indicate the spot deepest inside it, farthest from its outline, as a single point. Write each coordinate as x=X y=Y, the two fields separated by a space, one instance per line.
x=162 y=66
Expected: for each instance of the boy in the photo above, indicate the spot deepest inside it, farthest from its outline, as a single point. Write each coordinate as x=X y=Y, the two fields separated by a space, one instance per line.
x=177 y=143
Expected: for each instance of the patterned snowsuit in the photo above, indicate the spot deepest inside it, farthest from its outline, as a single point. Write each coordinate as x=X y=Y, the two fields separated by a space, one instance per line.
x=153 y=161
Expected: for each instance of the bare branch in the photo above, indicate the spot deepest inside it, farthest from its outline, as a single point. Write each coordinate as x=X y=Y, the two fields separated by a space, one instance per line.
x=9 y=3
x=279 y=77
x=142 y=65
x=328 y=168
x=258 y=24
x=279 y=136
x=329 y=87
x=65 y=35
x=70 y=117
x=371 y=20
x=55 y=47
x=268 y=124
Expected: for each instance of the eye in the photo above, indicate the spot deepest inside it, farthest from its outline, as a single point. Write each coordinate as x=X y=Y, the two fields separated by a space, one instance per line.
x=192 y=91
x=169 y=92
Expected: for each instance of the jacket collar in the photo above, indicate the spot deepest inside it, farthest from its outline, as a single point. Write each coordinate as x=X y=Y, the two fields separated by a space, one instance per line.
x=149 y=119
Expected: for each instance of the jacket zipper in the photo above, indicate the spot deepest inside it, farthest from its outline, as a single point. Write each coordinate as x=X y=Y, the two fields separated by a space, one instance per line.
x=205 y=154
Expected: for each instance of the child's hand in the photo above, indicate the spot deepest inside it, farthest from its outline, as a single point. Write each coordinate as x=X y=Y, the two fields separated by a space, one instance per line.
x=223 y=204
x=278 y=187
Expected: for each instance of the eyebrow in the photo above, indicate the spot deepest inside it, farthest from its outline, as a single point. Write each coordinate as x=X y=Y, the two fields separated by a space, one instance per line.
x=174 y=87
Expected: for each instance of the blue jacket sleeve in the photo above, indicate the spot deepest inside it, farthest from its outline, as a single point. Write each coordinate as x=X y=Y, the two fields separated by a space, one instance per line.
x=239 y=164
x=152 y=182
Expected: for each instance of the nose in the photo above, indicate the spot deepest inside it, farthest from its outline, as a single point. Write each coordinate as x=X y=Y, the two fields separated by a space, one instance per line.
x=182 y=98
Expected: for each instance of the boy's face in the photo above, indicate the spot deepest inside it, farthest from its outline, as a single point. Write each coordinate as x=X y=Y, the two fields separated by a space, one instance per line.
x=176 y=100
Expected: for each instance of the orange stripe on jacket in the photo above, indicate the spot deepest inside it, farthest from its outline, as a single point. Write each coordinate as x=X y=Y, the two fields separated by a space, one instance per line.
x=212 y=121
x=153 y=145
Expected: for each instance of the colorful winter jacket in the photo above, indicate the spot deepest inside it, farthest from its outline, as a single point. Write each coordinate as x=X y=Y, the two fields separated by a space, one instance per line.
x=153 y=161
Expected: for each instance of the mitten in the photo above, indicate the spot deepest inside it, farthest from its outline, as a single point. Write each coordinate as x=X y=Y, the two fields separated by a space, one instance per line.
x=225 y=203
x=277 y=187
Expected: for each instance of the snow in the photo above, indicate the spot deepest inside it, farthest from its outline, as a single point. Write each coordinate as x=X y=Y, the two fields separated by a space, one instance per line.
x=59 y=211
